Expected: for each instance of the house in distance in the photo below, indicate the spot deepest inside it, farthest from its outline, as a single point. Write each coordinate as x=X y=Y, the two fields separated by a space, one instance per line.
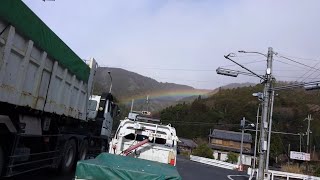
x=186 y=145
x=222 y=142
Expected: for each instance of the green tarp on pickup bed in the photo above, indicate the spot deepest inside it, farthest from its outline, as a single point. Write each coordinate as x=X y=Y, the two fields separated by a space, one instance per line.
x=16 y=13
x=110 y=166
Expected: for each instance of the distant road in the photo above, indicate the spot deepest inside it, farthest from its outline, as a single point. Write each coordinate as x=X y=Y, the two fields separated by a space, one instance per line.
x=188 y=170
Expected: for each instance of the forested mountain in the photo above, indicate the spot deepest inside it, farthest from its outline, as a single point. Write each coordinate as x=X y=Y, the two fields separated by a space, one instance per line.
x=224 y=110
x=210 y=93
x=128 y=85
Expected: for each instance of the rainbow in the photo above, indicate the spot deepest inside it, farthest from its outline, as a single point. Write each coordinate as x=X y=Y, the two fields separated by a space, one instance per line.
x=165 y=94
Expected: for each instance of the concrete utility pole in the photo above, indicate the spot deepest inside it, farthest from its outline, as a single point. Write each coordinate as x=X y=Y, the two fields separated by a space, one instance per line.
x=308 y=132
x=300 y=134
x=147 y=102
x=289 y=154
x=255 y=140
x=267 y=80
x=243 y=122
x=269 y=130
x=265 y=112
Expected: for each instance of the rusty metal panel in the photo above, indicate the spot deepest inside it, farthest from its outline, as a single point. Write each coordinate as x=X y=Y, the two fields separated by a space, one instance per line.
x=30 y=77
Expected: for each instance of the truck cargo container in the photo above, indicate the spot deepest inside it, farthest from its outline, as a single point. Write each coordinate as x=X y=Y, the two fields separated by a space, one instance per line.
x=48 y=115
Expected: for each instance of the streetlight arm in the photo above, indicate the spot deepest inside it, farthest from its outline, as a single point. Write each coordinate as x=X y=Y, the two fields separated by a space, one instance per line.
x=253 y=52
x=227 y=57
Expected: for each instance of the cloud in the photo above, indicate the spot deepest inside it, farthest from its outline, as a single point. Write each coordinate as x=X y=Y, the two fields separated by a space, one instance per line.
x=149 y=36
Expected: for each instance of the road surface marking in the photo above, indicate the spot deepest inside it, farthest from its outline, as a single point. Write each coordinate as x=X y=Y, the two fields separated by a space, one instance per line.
x=229 y=176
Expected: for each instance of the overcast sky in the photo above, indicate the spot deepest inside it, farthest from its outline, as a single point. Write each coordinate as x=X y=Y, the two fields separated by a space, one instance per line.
x=183 y=41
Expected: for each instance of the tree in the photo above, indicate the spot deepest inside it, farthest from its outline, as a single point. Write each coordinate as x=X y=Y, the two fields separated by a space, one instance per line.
x=232 y=157
x=203 y=151
x=317 y=171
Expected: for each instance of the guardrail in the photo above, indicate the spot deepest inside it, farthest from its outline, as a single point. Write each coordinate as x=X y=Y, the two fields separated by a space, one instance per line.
x=276 y=174
x=213 y=162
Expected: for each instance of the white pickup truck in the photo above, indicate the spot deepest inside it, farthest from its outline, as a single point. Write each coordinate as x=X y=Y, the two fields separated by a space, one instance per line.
x=145 y=138
x=142 y=149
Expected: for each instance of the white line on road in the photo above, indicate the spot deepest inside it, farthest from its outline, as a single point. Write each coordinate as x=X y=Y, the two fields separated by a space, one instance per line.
x=229 y=176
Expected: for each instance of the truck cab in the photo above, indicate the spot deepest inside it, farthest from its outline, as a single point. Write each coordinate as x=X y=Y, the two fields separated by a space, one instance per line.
x=103 y=109
x=145 y=138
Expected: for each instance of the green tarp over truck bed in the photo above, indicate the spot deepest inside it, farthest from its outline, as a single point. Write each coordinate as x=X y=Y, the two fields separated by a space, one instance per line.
x=110 y=166
x=16 y=13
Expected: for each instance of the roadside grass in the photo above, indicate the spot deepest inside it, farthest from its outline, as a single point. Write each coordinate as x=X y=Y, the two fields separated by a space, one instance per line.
x=185 y=154
x=292 y=168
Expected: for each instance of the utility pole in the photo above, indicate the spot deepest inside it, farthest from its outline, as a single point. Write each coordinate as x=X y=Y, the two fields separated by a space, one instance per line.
x=288 y=154
x=131 y=105
x=269 y=130
x=308 y=137
x=243 y=122
x=300 y=141
x=308 y=132
x=265 y=110
x=147 y=102
x=255 y=141
x=267 y=80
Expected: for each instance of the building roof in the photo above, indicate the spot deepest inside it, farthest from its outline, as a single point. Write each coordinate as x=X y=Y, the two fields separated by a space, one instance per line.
x=187 y=143
x=231 y=135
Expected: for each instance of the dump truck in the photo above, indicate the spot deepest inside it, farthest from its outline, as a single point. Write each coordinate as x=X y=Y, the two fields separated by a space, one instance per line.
x=142 y=149
x=48 y=115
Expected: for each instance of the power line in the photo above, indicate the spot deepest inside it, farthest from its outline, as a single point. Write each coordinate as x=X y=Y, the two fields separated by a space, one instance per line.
x=289 y=59
x=246 y=63
x=163 y=69
x=317 y=75
x=292 y=77
x=277 y=132
x=306 y=59
x=247 y=55
x=310 y=73
x=155 y=77
x=177 y=69
x=281 y=70
x=307 y=70
x=198 y=123
x=291 y=64
x=295 y=85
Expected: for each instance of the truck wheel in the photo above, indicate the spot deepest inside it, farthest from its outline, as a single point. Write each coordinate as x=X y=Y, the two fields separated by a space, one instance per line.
x=69 y=156
x=104 y=146
x=1 y=160
x=83 y=149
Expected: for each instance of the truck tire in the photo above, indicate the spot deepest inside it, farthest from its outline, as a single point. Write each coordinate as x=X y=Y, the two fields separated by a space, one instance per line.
x=104 y=146
x=83 y=149
x=69 y=156
x=1 y=160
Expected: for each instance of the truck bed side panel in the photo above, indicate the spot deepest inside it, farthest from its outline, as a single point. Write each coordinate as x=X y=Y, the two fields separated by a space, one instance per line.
x=30 y=77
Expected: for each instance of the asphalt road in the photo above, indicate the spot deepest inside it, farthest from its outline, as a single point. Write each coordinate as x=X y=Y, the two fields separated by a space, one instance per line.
x=188 y=170
x=43 y=174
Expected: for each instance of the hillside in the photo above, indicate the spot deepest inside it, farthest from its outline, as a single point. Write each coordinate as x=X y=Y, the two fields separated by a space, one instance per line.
x=128 y=85
x=210 y=93
x=224 y=110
